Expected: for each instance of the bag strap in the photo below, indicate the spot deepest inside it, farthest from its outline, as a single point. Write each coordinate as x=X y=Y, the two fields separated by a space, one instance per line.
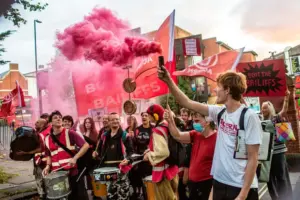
x=60 y=144
x=242 y=119
x=220 y=115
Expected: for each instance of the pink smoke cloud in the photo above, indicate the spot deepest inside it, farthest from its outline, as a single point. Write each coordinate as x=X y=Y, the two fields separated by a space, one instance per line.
x=102 y=37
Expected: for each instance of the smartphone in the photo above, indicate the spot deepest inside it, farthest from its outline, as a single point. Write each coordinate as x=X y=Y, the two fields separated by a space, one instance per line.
x=161 y=61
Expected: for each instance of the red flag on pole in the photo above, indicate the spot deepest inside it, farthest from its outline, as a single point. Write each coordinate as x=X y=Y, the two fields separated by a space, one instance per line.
x=147 y=72
x=213 y=65
x=7 y=102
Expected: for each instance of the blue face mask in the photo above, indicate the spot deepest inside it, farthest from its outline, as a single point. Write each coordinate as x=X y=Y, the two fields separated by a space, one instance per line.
x=198 y=127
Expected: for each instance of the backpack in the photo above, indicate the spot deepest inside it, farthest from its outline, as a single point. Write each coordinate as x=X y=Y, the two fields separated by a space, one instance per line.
x=177 y=150
x=263 y=168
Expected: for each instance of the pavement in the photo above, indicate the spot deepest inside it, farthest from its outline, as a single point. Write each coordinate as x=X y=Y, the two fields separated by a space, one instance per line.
x=295 y=181
x=23 y=181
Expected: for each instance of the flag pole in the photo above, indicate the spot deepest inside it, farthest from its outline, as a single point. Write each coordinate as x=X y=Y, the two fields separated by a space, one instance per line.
x=19 y=102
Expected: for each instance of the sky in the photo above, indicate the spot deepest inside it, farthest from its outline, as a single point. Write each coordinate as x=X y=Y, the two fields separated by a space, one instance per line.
x=259 y=25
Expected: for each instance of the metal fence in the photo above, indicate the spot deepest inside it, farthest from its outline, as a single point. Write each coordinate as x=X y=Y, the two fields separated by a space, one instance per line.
x=5 y=137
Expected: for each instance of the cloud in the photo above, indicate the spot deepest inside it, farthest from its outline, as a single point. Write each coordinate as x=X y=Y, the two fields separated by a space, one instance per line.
x=273 y=21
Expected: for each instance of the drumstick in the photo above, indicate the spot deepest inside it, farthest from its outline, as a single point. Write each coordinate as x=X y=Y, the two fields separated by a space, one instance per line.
x=80 y=174
x=58 y=169
x=113 y=161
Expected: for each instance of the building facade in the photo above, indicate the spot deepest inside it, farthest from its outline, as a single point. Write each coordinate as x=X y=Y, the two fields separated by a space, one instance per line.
x=8 y=80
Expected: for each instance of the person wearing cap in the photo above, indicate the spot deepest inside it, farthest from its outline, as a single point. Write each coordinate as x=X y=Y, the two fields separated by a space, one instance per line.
x=203 y=140
x=164 y=176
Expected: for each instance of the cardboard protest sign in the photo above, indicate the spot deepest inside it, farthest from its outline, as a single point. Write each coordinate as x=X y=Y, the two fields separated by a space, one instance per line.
x=264 y=78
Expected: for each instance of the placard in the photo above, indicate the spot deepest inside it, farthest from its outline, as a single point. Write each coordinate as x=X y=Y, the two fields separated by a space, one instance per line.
x=265 y=149
x=191 y=47
x=97 y=113
x=253 y=103
x=265 y=78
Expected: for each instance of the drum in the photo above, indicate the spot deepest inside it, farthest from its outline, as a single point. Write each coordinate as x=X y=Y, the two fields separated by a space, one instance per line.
x=99 y=189
x=106 y=174
x=149 y=187
x=57 y=185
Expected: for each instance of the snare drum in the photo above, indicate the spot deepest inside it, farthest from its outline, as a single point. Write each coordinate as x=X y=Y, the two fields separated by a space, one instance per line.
x=57 y=185
x=99 y=189
x=149 y=187
x=106 y=174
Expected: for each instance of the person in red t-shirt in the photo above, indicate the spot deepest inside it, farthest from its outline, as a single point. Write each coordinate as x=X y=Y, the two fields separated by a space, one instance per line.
x=203 y=140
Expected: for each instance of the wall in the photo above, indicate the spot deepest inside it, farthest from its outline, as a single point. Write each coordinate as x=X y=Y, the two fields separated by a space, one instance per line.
x=210 y=47
x=248 y=57
x=32 y=90
x=8 y=82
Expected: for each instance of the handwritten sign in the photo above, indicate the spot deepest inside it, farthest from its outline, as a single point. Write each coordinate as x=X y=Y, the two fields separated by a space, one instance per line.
x=265 y=78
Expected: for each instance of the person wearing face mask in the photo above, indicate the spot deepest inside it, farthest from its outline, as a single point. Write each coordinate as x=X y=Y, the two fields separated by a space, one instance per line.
x=203 y=140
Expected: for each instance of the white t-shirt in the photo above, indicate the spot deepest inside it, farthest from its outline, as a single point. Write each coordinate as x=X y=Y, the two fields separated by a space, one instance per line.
x=225 y=168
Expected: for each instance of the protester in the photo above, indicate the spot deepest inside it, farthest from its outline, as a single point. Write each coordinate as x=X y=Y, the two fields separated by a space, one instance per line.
x=131 y=125
x=105 y=127
x=60 y=158
x=141 y=141
x=233 y=178
x=279 y=184
x=89 y=130
x=39 y=161
x=203 y=139
x=68 y=122
x=187 y=125
x=115 y=146
x=164 y=176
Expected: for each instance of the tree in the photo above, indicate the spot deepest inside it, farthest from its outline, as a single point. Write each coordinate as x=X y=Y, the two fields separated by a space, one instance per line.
x=13 y=14
x=185 y=86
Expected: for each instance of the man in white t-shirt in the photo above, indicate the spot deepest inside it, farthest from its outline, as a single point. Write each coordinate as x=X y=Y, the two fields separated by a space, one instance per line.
x=233 y=178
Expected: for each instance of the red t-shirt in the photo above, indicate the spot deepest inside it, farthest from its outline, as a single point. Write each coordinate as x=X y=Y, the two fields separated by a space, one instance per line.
x=202 y=156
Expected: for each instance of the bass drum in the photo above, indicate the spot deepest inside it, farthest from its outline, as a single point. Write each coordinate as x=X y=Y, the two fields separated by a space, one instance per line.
x=24 y=139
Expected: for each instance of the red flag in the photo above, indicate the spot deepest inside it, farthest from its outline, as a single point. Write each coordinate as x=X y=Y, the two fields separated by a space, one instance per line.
x=213 y=65
x=147 y=72
x=7 y=103
x=20 y=96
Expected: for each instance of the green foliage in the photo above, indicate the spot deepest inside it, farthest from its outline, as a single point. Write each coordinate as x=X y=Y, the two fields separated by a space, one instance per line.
x=2 y=50
x=185 y=86
x=4 y=177
x=13 y=14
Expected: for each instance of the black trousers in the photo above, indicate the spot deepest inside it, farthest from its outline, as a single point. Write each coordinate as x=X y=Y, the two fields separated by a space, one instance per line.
x=279 y=185
x=78 y=189
x=226 y=192
x=182 y=190
x=200 y=190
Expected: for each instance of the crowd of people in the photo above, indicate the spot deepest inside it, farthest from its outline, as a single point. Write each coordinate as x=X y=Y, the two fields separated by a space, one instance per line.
x=207 y=133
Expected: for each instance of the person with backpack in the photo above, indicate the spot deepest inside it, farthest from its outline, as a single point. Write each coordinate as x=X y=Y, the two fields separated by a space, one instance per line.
x=233 y=178
x=114 y=146
x=203 y=140
x=164 y=173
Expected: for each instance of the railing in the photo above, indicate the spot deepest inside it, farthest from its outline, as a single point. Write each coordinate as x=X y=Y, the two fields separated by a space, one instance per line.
x=5 y=137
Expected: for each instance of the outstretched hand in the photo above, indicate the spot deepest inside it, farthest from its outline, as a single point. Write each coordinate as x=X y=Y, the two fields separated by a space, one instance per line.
x=168 y=115
x=163 y=74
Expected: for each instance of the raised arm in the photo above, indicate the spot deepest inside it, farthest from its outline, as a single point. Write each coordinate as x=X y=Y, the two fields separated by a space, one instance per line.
x=183 y=137
x=285 y=105
x=180 y=97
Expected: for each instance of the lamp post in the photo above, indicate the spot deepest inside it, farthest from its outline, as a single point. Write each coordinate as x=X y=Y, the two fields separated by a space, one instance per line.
x=36 y=66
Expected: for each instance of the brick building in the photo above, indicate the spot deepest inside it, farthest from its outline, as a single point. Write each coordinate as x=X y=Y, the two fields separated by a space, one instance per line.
x=8 y=80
